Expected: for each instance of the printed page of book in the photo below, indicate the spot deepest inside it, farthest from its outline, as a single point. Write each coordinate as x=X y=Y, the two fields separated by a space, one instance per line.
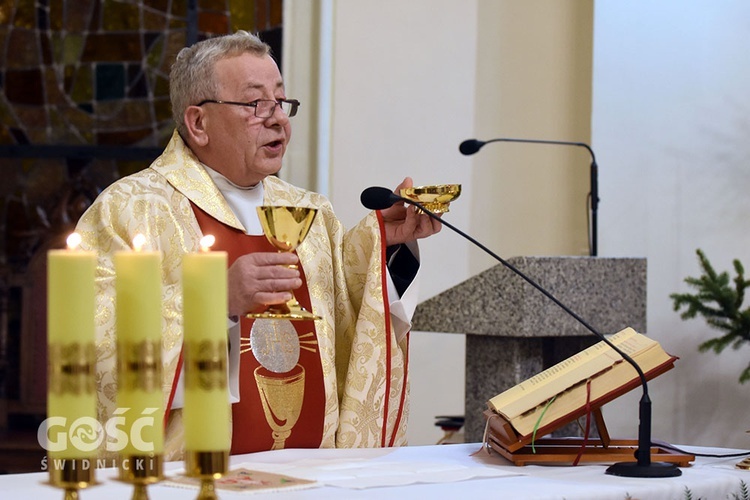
x=556 y=379
x=603 y=384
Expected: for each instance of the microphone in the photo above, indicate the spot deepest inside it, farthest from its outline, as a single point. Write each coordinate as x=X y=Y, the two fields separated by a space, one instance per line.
x=379 y=198
x=471 y=146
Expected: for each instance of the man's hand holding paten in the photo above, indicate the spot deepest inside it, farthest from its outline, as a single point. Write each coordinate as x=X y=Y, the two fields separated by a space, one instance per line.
x=403 y=223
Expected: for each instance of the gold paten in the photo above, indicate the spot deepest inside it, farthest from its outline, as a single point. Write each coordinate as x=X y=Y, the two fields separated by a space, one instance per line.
x=436 y=198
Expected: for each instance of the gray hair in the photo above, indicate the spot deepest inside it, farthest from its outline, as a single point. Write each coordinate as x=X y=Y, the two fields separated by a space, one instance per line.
x=192 y=77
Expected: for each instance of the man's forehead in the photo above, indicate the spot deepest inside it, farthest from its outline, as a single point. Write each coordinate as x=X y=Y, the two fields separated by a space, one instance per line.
x=257 y=73
x=256 y=85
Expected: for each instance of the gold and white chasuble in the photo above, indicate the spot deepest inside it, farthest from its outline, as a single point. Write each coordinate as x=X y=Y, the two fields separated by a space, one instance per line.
x=363 y=365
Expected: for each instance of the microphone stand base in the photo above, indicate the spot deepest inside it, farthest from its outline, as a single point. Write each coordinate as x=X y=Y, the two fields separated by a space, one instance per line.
x=634 y=469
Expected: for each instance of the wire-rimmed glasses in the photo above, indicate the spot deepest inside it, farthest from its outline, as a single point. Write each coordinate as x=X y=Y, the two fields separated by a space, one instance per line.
x=264 y=108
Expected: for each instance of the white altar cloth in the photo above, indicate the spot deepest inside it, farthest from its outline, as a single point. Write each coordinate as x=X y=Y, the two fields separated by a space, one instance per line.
x=415 y=472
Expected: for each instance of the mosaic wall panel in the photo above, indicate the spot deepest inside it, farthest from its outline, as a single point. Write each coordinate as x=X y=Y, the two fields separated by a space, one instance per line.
x=95 y=72
x=91 y=75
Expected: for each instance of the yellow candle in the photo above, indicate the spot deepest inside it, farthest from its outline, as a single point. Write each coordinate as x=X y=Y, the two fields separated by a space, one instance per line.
x=204 y=302
x=71 y=397
x=138 y=316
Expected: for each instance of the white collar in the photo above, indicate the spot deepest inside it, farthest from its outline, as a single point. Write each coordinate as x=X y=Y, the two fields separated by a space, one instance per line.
x=242 y=200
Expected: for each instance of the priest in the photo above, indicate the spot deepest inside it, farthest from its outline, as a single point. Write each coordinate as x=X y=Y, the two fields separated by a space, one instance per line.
x=339 y=381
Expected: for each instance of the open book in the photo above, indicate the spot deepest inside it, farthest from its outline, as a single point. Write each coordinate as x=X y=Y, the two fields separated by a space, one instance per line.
x=595 y=375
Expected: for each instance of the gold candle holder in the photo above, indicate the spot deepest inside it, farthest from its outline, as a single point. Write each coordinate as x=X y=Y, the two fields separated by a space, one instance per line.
x=71 y=393
x=139 y=368
x=207 y=413
x=71 y=388
x=208 y=466
x=206 y=404
x=72 y=475
x=140 y=471
x=138 y=314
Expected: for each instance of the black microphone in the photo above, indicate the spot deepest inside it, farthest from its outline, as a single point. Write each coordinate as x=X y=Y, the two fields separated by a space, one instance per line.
x=471 y=146
x=379 y=198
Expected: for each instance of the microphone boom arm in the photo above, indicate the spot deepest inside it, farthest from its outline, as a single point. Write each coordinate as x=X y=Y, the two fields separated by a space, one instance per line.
x=643 y=467
x=533 y=283
x=471 y=146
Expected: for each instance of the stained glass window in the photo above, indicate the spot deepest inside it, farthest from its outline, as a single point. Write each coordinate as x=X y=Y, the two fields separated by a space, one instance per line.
x=84 y=100
x=94 y=73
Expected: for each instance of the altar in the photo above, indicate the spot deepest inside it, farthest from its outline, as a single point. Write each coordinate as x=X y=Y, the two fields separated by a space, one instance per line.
x=447 y=471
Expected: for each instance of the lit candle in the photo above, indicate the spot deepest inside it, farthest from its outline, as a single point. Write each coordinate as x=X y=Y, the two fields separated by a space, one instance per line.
x=71 y=397
x=206 y=415
x=138 y=316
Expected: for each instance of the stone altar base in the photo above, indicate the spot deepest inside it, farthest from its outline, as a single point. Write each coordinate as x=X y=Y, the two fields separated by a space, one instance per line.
x=514 y=332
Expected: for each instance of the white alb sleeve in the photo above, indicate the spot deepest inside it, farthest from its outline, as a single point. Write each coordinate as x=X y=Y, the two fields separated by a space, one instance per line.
x=402 y=308
x=233 y=369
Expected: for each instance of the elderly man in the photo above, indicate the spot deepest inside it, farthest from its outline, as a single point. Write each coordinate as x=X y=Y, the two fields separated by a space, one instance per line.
x=350 y=366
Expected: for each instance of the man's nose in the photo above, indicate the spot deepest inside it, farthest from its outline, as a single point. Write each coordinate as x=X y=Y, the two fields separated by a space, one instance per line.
x=278 y=115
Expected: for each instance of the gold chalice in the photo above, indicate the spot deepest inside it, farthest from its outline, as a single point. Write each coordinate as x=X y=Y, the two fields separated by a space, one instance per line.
x=285 y=228
x=436 y=199
x=282 y=396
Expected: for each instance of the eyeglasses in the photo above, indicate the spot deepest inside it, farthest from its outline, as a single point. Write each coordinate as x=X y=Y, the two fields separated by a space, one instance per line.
x=264 y=108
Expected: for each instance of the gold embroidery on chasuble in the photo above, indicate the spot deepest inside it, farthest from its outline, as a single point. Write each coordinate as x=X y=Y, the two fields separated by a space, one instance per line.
x=374 y=406
x=282 y=393
x=363 y=369
x=355 y=338
x=149 y=204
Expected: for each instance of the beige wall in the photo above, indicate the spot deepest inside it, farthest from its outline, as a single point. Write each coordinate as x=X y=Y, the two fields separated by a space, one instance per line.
x=533 y=81
x=409 y=80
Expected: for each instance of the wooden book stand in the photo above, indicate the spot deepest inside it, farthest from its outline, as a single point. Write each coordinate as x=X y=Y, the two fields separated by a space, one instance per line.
x=501 y=436
x=503 y=439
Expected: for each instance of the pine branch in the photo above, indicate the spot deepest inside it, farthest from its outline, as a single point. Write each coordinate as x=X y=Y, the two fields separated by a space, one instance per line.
x=744 y=493
x=719 y=301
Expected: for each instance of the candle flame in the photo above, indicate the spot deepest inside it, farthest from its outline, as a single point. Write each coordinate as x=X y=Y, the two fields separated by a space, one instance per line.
x=74 y=239
x=138 y=242
x=207 y=242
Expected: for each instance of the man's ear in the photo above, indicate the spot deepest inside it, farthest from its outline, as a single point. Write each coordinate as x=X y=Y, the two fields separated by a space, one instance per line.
x=195 y=122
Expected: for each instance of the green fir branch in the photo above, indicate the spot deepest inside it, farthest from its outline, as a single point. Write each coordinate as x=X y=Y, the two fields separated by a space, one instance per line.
x=719 y=301
x=744 y=492
x=688 y=494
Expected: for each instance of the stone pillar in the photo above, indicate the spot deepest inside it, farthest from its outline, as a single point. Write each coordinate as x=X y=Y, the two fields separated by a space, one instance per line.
x=514 y=332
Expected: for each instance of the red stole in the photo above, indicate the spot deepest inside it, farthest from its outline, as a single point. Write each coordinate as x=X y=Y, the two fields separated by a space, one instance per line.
x=251 y=430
